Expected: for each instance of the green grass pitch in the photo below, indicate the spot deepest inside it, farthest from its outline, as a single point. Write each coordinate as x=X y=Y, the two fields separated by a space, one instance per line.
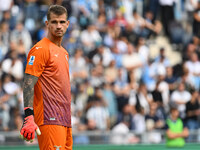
x=111 y=147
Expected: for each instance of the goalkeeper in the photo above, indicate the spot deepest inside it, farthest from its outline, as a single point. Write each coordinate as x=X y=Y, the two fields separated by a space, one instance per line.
x=46 y=87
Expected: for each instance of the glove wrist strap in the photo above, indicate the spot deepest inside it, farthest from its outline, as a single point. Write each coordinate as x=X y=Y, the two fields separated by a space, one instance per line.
x=28 y=111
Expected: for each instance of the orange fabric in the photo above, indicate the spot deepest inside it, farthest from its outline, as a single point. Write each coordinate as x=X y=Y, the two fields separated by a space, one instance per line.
x=52 y=92
x=54 y=137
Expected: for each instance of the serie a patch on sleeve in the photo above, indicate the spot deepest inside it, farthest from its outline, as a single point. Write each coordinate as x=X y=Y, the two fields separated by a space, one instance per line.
x=31 y=60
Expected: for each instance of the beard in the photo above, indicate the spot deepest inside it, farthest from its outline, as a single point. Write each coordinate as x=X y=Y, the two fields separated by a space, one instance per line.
x=58 y=33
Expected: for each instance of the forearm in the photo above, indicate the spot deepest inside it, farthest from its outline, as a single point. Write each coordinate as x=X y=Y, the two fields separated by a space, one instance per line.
x=183 y=134
x=29 y=127
x=179 y=102
x=191 y=113
x=28 y=89
x=171 y=135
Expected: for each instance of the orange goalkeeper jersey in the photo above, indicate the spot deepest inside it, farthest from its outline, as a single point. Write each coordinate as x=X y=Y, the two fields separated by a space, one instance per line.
x=52 y=92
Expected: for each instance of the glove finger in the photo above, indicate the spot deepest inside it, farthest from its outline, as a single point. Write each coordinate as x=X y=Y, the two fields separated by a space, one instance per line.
x=38 y=131
x=25 y=134
x=24 y=138
x=29 y=136
x=22 y=131
x=31 y=140
x=21 y=136
x=33 y=135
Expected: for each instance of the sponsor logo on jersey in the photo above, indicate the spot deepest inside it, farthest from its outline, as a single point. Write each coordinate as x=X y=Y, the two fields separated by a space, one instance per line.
x=38 y=47
x=31 y=60
x=57 y=147
x=52 y=118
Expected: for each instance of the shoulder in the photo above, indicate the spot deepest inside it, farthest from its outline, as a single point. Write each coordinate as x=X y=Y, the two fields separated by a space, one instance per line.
x=64 y=50
x=40 y=47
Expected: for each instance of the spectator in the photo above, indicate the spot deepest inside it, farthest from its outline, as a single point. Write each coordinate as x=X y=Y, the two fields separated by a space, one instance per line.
x=78 y=68
x=121 y=44
x=121 y=132
x=117 y=56
x=11 y=88
x=167 y=14
x=176 y=130
x=4 y=39
x=142 y=49
x=90 y=39
x=109 y=37
x=96 y=76
x=132 y=61
x=158 y=99
x=5 y=5
x=4 y=109
x=148 y=75
x=21 y=34
x=30 y=19
x=192 y=113
x=87 y=11
x=187 y=78
x=129 y=34
x=127 y=110
x=103 y=56
x=163 y=87
x=101 y=24
x=139 y=121
x=162 y=57
x=196 y=22
x=111 y=72
x=13 y=66
x=171 y=79
x=193 y=65
x=180 y=97
x=151 y=27
x=81 y=99
x=98 y=116
x=141 y=99
x=110 y=100
x=118 y=20
x=190 y=6
x=157 y=95
x=121 y=89
x=152 y=123
x=138 y=23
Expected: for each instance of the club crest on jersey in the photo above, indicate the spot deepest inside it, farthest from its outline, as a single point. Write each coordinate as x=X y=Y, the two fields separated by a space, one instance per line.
x=31 y=60
x=57 y=147
x=66 y=57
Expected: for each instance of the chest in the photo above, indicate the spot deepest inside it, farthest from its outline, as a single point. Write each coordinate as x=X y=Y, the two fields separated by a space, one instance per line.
x=58 y=59
x=176 y=126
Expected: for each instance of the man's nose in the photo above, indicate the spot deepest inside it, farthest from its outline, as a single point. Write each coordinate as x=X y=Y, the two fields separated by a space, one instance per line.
x=59 y=26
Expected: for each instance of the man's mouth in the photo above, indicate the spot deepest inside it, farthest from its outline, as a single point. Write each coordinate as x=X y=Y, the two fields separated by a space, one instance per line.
x=58 y=31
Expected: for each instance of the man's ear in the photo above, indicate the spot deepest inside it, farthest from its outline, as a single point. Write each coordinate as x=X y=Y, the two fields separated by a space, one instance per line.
x=68 y=23
x=46 y=22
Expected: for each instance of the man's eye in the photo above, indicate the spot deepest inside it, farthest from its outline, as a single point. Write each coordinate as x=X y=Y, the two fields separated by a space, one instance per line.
x=63 y=22
x=53 y=22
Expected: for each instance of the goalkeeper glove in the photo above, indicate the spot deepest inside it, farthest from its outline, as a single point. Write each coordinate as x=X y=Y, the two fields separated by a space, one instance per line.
x=29 y=126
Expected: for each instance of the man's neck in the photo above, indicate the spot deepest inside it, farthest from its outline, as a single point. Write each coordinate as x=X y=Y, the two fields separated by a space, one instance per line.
x=55 y=40
x=173 y=118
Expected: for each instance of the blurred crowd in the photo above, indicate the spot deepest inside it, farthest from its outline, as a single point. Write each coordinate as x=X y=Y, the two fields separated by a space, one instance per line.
x=116 y=86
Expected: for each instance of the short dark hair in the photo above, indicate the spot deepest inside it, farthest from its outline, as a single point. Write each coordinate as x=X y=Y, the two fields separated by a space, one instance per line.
x=57 y=10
